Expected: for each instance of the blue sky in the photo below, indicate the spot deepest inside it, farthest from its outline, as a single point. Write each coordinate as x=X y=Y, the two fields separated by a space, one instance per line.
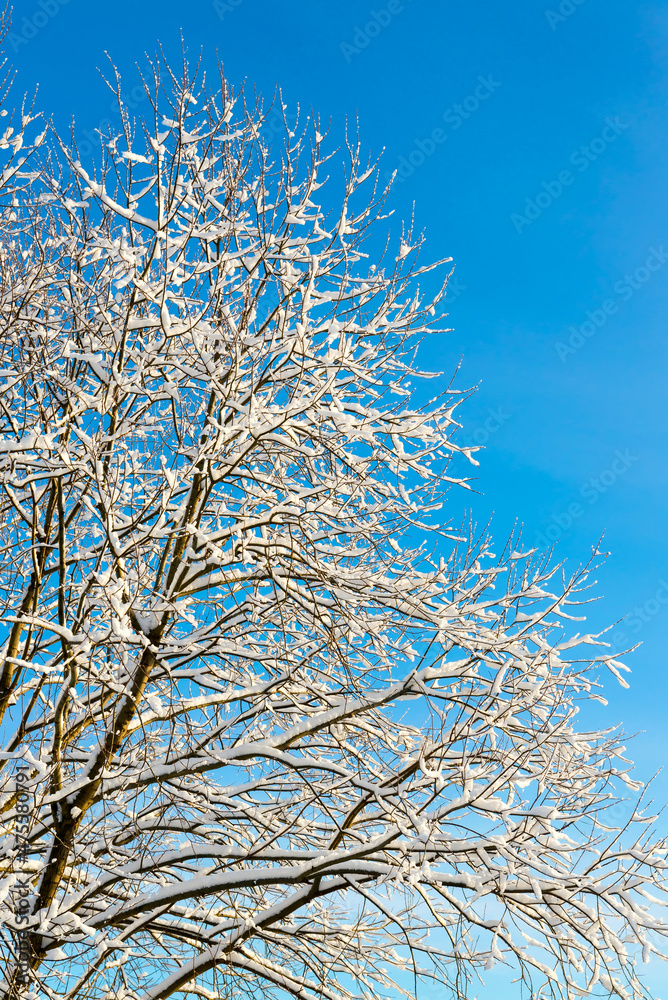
x=531 y=140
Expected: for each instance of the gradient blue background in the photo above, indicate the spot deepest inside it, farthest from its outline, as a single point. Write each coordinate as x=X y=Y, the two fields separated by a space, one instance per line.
x=516 y=294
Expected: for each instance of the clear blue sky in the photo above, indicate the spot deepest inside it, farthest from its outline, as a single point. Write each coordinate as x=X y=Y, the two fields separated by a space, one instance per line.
x=531 y=138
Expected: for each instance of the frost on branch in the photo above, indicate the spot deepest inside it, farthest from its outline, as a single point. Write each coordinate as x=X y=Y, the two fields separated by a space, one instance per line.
x=284 y=730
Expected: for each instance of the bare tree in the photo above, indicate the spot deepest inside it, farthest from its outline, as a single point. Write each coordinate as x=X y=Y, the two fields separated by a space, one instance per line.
x=280 y=727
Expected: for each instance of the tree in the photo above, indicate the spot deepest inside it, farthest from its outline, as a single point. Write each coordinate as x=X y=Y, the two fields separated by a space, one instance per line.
x=279 y=728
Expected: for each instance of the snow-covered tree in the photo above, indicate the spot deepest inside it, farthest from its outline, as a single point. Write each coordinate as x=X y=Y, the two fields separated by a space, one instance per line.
x=280 y=726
